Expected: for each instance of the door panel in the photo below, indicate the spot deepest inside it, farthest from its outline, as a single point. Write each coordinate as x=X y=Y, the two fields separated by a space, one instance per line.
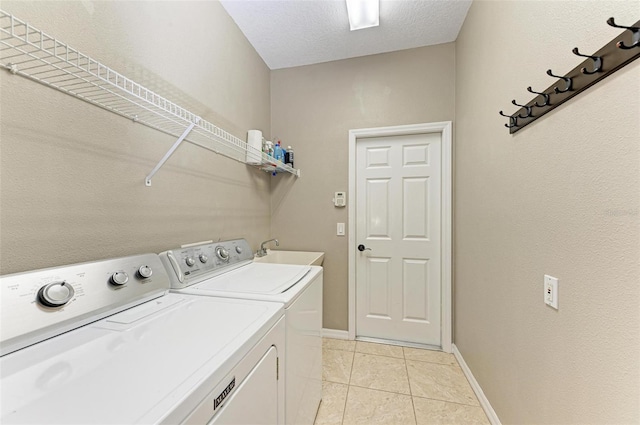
x=378 y=225
x=378 y=288
x=398 y=197
x=415 y=155
x=415 y=295
x=378 y=157
x=415 y=208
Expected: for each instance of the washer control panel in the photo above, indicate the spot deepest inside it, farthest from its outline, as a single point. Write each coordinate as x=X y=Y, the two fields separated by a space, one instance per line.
x=193 y=264
x=43 y=303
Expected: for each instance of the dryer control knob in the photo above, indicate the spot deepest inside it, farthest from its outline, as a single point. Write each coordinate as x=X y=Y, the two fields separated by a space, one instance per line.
x=145 y=272
x=239 y=249
x=55 y=294
x=203 y=258
x=190 y=261
x=119 y=278
x=222 y=253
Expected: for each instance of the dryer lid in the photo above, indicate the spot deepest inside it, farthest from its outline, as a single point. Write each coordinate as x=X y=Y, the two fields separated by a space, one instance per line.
x=257 y=278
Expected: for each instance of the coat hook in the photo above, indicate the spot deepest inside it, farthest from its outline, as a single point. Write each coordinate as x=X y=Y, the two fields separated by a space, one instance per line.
x=596 y=59
x=528 y=108
x=546 y=97
x=635 y=37
x=513 y=121
x=567 y=80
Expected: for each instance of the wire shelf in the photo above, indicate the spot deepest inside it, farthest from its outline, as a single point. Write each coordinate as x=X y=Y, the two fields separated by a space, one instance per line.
x=31 y=53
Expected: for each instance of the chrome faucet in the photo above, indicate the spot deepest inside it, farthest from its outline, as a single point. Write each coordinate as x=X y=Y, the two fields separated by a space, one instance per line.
x=263 y=249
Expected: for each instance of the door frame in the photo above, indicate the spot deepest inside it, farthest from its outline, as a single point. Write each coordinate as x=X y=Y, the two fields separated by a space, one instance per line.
x=444 y=128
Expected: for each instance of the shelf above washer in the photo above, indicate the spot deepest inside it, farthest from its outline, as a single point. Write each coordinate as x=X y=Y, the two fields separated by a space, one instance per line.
x=31 y=53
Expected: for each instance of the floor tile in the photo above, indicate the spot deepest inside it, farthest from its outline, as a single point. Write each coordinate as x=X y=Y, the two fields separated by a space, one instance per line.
x=380 y=373
x=336 y=365
x=379 y=349
x=440 y=382
x=372 y=407
x=331 y=409
x=435 y=412
x=338 y=344
x=429 y=356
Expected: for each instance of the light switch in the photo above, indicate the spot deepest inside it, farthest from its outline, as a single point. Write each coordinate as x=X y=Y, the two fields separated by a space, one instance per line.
x=340 y=231
x=551 y=291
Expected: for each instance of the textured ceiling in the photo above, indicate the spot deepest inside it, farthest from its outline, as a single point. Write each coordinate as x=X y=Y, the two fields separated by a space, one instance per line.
x=289 y=33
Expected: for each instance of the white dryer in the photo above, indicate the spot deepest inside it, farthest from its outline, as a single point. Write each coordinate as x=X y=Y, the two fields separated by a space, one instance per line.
x=106 y=343
x=226 y=269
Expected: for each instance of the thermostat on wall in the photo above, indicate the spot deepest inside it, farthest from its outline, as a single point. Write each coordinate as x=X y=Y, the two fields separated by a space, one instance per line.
x=340 y=199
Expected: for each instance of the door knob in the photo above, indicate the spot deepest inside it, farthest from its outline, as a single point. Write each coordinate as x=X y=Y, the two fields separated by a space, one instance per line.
x=362 y=248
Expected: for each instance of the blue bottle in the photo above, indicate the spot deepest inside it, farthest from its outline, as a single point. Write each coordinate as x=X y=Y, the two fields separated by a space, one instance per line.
x=277 y=152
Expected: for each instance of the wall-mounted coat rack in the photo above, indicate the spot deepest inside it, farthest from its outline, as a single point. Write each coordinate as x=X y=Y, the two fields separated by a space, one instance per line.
x=620 y=51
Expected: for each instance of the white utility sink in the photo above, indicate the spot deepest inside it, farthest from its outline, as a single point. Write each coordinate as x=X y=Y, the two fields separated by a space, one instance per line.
x=303 y=258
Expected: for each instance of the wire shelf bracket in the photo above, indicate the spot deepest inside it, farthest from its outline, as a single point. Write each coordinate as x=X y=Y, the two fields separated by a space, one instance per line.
x=33 y=54
x=147 y=180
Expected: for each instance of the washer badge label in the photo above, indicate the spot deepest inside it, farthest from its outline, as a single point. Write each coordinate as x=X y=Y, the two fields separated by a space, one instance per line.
x=218 y=401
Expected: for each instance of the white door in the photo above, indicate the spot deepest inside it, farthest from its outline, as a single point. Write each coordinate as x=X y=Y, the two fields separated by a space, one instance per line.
x=398 y=208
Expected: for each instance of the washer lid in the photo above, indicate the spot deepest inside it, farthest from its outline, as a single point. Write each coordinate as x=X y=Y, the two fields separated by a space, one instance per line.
x=139 y=366
x=257 y=278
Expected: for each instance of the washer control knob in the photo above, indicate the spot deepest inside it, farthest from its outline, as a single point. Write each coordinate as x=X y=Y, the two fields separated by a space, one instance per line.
x=222 y=253
x=203 y=258
x=55 y=294
x=145 y=272
x=239 y=249
x=119 y=278
x=190 y=261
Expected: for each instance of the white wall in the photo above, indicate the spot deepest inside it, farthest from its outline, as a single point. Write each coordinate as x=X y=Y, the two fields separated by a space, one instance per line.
x=560 y=197
x=72 y=175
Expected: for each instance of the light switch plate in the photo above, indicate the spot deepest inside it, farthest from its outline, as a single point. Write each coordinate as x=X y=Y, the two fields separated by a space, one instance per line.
x=340 y=230
x=551 y=291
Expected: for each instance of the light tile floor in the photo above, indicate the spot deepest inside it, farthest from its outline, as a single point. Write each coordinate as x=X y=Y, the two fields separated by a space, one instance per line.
x=367 y=383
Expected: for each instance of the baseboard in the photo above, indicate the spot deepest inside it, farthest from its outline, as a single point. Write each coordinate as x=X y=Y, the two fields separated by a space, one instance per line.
x=335 y=334
x=484 y=401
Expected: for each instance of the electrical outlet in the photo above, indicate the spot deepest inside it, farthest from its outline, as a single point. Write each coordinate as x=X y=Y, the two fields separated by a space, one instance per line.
x=551 y=291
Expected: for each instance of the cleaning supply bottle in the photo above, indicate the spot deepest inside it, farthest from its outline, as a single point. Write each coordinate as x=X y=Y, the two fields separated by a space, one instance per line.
x=268 y=148
x=277 y=152
x=288 y=157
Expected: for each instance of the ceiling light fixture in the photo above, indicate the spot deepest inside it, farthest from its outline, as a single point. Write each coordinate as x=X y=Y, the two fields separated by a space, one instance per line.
x=363 y=14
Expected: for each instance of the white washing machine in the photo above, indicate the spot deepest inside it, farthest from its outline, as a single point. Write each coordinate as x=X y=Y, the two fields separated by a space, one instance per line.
x=226 y=269
x=106 y=343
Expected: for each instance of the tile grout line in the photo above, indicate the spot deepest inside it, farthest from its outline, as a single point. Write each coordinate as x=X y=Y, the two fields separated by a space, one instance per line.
x=353 y=360
x=378 y=389
x=406 y=368
x=427 y=361
x=448 y=401
x=344 y=411
x=344 y=407
x=380 y=355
